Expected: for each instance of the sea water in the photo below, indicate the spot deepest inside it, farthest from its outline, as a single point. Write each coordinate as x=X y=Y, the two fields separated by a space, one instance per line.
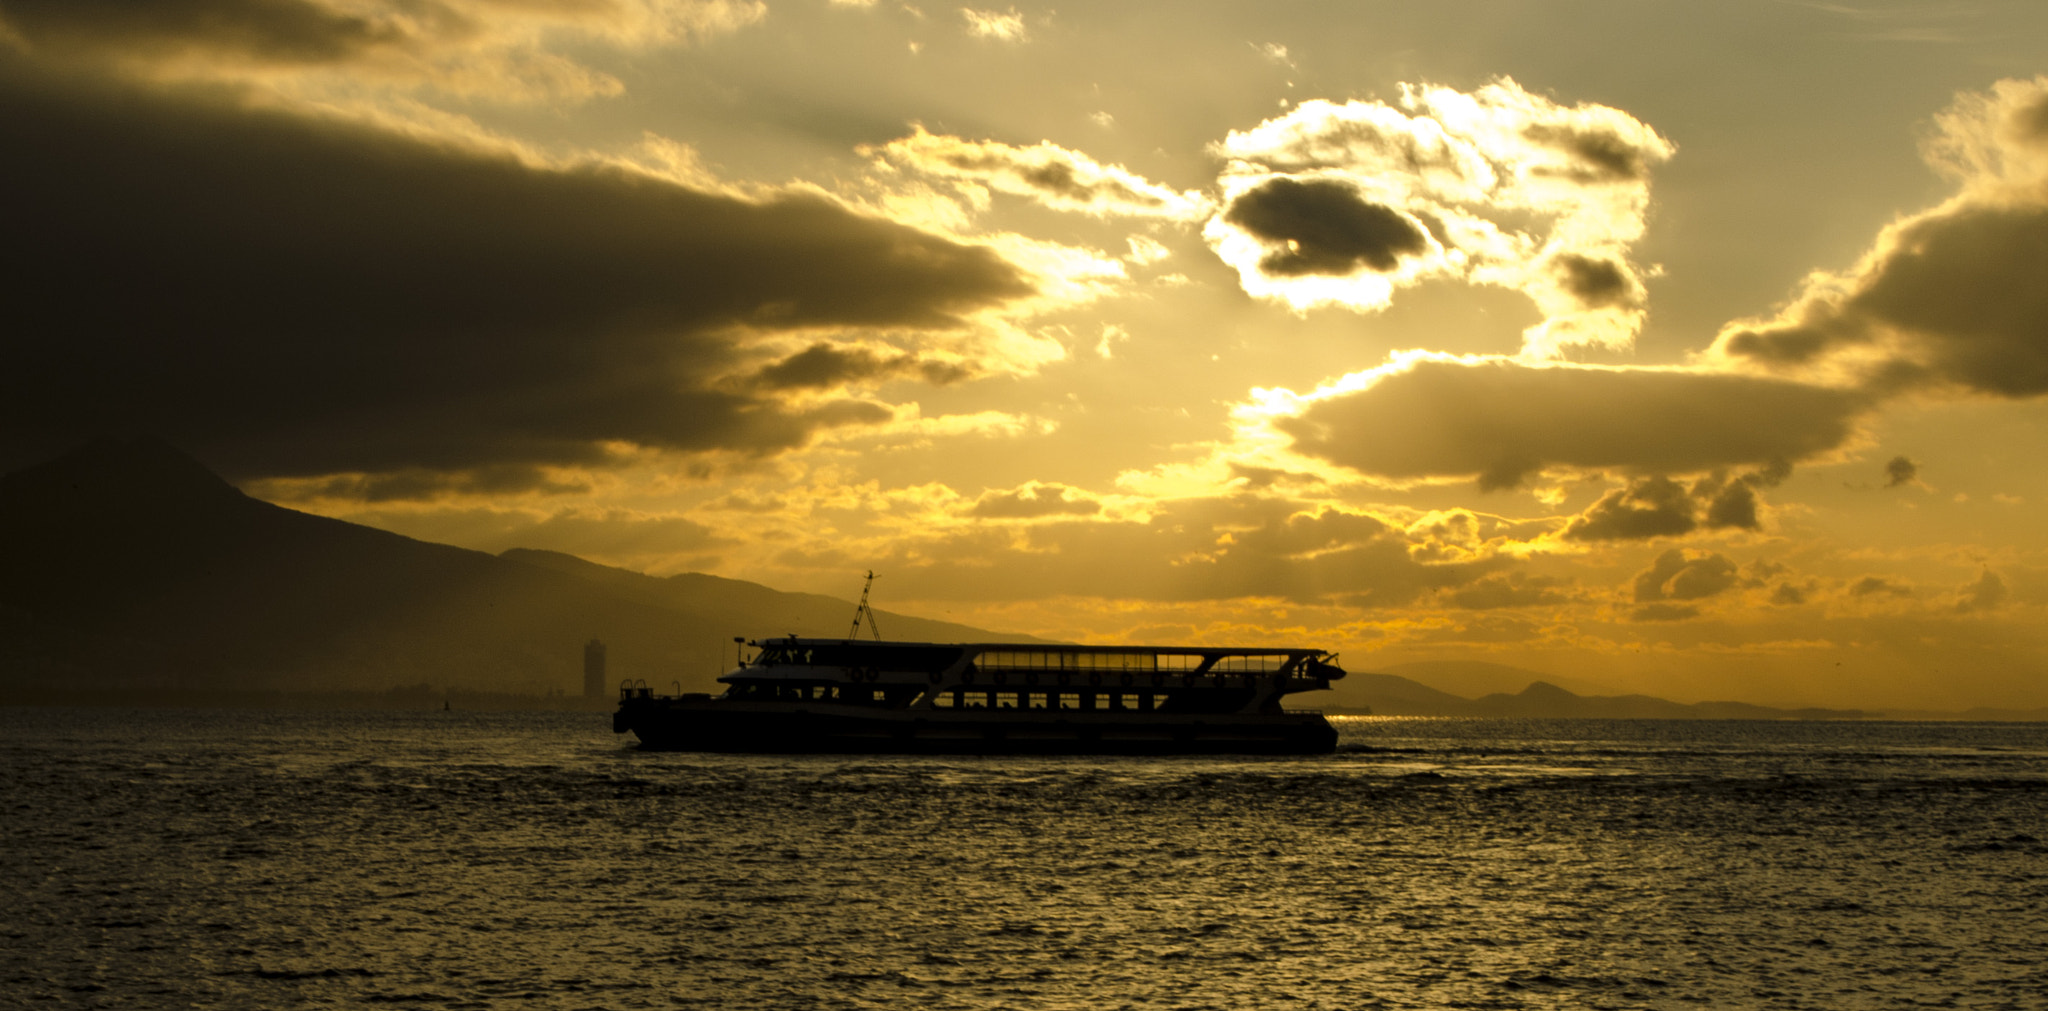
x=221 y=859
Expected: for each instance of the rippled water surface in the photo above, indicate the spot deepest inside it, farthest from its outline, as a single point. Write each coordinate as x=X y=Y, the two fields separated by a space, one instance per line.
x=449 y=860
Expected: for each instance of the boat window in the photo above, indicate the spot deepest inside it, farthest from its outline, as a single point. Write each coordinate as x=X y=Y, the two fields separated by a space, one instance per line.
x=887 y=657
x=1261 y=664
x=1069 y=700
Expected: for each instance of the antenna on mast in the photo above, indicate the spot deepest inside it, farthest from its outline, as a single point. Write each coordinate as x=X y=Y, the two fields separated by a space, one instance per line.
x=864 y=611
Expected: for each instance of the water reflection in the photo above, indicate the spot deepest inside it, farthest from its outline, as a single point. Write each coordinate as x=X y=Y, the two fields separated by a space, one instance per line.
x=463 y=860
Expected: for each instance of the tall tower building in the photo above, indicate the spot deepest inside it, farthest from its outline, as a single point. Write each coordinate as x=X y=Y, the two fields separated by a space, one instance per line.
x=593 y=670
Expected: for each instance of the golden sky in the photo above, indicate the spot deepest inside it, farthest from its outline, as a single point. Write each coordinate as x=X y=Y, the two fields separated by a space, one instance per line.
x=1692 y=349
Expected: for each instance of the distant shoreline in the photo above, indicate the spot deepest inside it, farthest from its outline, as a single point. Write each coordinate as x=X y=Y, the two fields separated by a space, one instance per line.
x=415 y=699
x=1831 y=716
x=388 y=699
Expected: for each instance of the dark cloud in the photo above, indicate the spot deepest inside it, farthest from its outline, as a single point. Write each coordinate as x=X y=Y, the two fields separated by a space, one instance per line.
x=1787 y=595
x=1660 y=507
x=1596 y=282
x=1647 y=508
x=1513 y=589
x=1258 y=478
x=1783 y=345
x=1761 y=570
x=297 y=296
x=1963 y=295
x=1326 y=227
x=825 y=365
x=1684 y=575
x=1983 y=595
x=1597 y=154
x=1731 y=503
x=1951 y=297
x=1734 y=506
x=1965 y=287
x=1033 y=501
x=268 y=31
x=1870 y=586
x=1664 y=612
x=2030 y=120
x=1501 y=421
x=1900 y=470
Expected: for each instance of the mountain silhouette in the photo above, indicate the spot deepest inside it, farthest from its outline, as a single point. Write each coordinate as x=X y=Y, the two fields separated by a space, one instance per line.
x=1386 y=694
x=1475 y=678
x=128 y=565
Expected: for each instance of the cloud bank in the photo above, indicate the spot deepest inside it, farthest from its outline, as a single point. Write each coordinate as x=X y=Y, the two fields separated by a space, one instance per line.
x=1045 y=172
x=297 y=295
x=1948 y=300
x=504 y=49
x=1500 y=421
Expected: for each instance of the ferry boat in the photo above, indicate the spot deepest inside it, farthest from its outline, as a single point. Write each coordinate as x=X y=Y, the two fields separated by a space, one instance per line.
x=798 y=694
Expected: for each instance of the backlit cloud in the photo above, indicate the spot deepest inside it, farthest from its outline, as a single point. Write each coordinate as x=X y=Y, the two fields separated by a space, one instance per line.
x=1005 y=26
x=1046 y=172
x=1345 y=204
x=1950 y=298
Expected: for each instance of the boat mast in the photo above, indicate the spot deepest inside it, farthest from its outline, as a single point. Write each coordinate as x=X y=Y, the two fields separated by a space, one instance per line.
x=864 y=611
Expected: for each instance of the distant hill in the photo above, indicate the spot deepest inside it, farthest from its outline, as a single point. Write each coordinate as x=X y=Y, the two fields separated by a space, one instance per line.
x=750 y=608
x=1474 y=678
x=1394 y=695
x=126 y=565
x=1386 y=695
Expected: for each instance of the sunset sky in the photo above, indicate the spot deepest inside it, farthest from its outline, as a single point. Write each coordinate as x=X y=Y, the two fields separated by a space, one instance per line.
x=1692 y=349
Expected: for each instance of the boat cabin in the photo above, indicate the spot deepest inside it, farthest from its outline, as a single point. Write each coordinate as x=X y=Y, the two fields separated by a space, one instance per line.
x=1024 y=678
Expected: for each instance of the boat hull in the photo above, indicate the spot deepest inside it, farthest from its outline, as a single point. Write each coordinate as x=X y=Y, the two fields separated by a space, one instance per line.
x=668 y=724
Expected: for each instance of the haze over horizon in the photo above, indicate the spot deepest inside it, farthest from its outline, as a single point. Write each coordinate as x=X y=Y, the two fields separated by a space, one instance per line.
x=1699 y=352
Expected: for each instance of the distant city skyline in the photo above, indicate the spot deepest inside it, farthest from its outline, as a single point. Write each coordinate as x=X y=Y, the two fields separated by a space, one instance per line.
x=1692 y=351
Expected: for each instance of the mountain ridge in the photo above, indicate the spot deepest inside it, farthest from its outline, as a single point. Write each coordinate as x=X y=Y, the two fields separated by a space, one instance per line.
x=1387 y=694
x=127 y=565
